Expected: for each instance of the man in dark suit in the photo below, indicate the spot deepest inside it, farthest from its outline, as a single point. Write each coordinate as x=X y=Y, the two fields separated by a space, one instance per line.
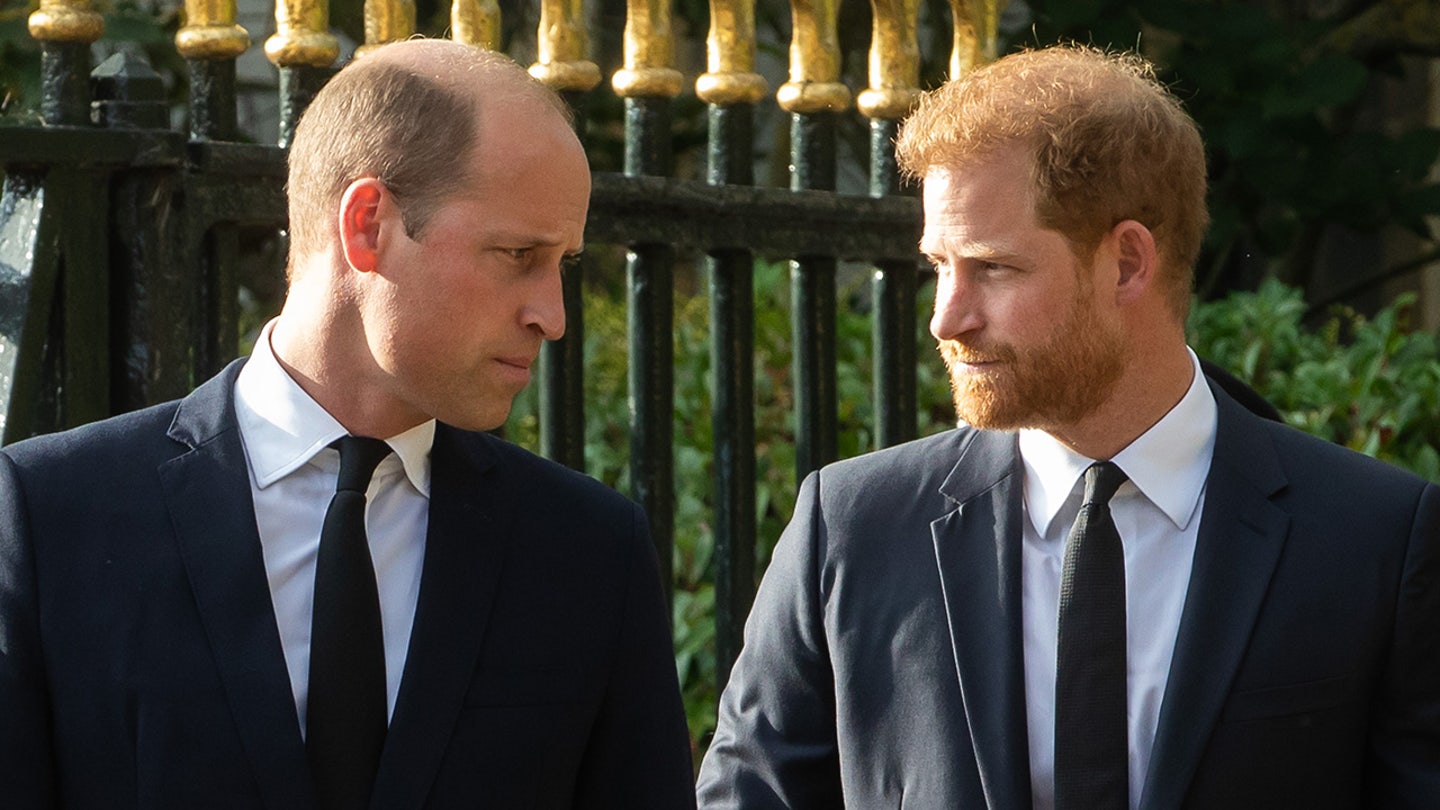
x=158 y=570
x=914 y=642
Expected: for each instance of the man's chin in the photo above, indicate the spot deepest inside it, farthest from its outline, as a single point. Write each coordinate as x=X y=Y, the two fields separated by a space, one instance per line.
x=988 y=408
x=981 y=405
x=990 y=419
x=481 y=419
x=992 y=414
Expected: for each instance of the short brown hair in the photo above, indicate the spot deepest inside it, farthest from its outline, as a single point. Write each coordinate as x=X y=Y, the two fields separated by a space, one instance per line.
x=412 y=130
x=1108 y=143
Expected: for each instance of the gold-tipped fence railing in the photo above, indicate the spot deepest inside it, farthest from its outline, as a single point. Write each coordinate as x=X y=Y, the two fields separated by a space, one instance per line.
x=212 y=185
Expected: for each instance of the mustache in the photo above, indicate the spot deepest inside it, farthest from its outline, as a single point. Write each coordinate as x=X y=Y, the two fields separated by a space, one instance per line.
x=955 y=351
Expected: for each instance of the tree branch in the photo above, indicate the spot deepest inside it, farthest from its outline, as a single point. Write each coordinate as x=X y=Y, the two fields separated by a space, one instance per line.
x=1390 y=26
x=1412 y=266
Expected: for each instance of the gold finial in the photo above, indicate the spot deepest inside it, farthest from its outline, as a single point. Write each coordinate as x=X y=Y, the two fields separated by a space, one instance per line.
x=210 y=32
x=387 y=21
x=302 y=36
x=562 y=63
x=894 y=61
x=977 y=34
x=476 y=23
x=649 y=52
x=814 y=84
x=730 y=56
x=66 y=21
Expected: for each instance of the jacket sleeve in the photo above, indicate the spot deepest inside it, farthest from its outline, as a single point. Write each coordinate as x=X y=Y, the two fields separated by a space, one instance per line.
x=638 y=755
x=27 y=770
x=775 y=741
x=1404 y=747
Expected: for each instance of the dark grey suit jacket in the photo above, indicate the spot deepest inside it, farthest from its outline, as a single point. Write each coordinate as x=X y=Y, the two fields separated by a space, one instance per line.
x=140 y=665
x=883 y=668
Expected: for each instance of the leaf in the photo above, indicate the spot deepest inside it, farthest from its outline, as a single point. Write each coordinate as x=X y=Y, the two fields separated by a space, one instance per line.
x=1372 y=384
x=1328 y=81
x=1414 y=153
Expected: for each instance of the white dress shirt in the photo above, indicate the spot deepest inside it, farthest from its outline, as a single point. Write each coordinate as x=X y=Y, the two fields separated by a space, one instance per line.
x=1157 y=513
x=293 y=471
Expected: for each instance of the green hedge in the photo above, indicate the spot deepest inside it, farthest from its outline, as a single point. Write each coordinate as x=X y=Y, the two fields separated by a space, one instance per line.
x=607 y=442
x=1371 y=384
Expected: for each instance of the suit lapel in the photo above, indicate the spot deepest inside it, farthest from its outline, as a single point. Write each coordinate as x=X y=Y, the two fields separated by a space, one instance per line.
x=977 y=547
x=1240 y=539
x=207 y=492
x=465 y=546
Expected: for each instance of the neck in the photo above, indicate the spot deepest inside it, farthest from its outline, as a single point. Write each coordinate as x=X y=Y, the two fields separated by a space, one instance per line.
x=319 y=340
x=1152 y=384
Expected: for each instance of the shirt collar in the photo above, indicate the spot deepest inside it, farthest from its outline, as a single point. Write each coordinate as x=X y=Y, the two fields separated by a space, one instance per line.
x=283 y=428
x=1168 y=463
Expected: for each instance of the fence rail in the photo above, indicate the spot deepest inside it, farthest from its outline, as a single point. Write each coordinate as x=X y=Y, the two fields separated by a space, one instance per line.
x=119 y=236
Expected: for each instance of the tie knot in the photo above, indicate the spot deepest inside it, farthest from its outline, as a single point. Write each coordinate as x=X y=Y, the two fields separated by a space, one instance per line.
x=1102 y=479
x=359 y=456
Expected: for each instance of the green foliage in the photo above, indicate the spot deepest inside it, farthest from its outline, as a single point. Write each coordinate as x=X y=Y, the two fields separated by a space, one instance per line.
x=19 y=63
x=1297 y=143
x=607 y=439
x=143 y=26
x=1371 y=384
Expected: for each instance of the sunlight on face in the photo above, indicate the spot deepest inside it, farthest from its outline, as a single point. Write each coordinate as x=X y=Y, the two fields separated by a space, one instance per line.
x=1057 y=381
x=1017 y=317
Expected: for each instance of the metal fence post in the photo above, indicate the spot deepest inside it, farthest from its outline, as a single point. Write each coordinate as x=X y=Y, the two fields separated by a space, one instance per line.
x=152 y=300
x=52 y=250
x=893 y=90
x=210 y=42
x=648 y=83
x=562 y=65
x=731 y=88
x=303 y=49
x=814 y=96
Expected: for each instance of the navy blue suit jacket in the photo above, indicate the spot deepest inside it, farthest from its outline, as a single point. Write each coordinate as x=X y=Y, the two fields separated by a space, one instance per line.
x=140 y=665
x=883 y=660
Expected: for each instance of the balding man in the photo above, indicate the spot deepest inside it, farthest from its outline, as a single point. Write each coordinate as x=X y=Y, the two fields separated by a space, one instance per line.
x=315 y=582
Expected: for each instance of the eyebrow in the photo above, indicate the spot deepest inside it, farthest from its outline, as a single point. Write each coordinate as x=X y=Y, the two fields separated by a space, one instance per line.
x=531 y=239
x=973 y=252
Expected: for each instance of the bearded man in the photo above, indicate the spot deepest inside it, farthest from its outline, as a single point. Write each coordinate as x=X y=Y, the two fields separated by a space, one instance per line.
x=1112 y=587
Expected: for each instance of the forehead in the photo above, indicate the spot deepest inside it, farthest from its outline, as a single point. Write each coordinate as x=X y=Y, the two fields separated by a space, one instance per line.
x=529 y=181
x=982 y=199
x=516 y=134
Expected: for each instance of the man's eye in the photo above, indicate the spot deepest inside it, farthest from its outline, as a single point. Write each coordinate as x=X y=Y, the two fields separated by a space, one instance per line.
x=569 y=262
x=518 y=254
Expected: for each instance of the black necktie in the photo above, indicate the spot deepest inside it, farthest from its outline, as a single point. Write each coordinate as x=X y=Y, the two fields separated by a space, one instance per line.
x=1091 y=754
x=346 y=717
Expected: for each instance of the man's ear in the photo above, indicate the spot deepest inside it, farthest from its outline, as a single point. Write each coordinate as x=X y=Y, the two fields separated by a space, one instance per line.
x=364 y=206
x=1137 y=259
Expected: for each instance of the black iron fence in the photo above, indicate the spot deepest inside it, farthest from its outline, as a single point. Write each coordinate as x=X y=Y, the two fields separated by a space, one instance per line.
x=119 y=236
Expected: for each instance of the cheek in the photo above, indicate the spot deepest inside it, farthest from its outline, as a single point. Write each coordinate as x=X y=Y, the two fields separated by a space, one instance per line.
x=1043 y=318
x=469 y=293
x=384 y=316
x=450 y=306
x=424 y=334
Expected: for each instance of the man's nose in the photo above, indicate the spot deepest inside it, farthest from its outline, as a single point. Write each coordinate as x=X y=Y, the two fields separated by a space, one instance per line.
x=957 y=309
x=545 y=313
